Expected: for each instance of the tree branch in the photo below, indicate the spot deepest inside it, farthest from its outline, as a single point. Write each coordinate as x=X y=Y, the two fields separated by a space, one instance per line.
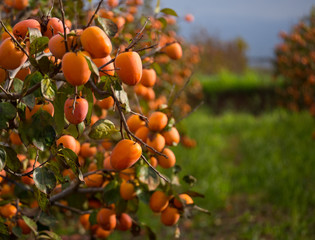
x=93 y=16
x=64 y=25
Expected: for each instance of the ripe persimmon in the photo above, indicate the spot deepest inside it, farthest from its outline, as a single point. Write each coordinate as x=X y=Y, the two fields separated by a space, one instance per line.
x=75 y=68
x=57 y=46
x=19 y=4
x=22 y=73
x=96 y=42
x=158 y=201
x=84 y=220
x=156 y=141
x=171 y=136
x=109 y=69
x=185 y=198
x=127 y=190
x=25 y=228
x=106 y=103
x=149 y=95
x=189 y=17
x=112 y=3
x=20 y=29
x=174 y=51
x=68 y=142
x=3 y=75
x=8 y=211
x=124 y=222
x=169 y=161
x=46 y=106
x=127 y=174
x=129 y=67
x=101 y=233
x=54 y=26
x=170 y=216
x=142 y=133
x=87 y=150
x=125 y=154
x=153 y=161
x=148 y=78
x=94 y=180
x=81 y=107
x=106 y=164
x=106 y=218
x=15 y=138
x=157 y=121
x=11 y=57
x=134 y=122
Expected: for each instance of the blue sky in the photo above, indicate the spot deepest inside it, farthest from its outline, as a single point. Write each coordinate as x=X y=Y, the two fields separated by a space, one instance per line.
x=257 y=21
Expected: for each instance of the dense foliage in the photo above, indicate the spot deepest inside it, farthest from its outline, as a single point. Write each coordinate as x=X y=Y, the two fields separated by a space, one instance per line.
x=90 y=97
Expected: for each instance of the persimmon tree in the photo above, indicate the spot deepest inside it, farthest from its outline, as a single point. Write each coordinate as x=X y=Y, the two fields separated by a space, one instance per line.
x=90 y=99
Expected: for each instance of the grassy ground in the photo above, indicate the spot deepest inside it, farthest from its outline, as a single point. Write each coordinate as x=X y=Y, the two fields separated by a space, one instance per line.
x=257 y=174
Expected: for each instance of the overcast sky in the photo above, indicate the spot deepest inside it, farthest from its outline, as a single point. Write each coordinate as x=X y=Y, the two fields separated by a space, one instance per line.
x=257 y=21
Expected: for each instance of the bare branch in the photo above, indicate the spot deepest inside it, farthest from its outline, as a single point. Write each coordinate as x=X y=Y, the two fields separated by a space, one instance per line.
x=156 y=171
x=64 y=25
x=14 y=39
x=93 y=16
x=72 y=209
x=138 y=37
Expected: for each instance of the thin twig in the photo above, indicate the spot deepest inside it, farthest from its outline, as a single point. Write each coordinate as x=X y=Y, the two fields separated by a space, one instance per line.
x=146 y=48
x=97 y=9
x=5 y=91
x=36 y=158
x=30 y=172
x=191 y=112
x=109 y=62
x=72 y=209
x=156 y=171
x=64 y=25
x=179 y=92
x=74 y=185
x=138 y=36
x=14 y=39
x=129 y=133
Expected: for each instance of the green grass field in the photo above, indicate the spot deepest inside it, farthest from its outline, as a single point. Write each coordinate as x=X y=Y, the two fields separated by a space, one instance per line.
x=249 y=80
x=257 y=174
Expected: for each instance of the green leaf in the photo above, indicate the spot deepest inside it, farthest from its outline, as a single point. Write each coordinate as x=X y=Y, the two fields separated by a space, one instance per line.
x=34 y=33
x=41 y=198
x=31 y=80
x=29 y=222
x=189 y=179
x=17 y=231
x=40 y=131
x=111 y=193
x=121 y=206
x=169 y=11
x=157 y=68
x=92 y=66
x=89 y=97
x=157 y=7
x=29 y=100
x=48 y=89
x=44 y=179
x=50 y=235
x=107 y=25
x=103 y=128
x=147 y=176
x=47 y=220
x=163 y=21
x=123 y=99
x=12 y=161
x=3 y=158
x=17 y=85
x=3 y=230
x=71 y=159
x=59 y=111
x=39 y=44
x=93 y=218
x=7 y=113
